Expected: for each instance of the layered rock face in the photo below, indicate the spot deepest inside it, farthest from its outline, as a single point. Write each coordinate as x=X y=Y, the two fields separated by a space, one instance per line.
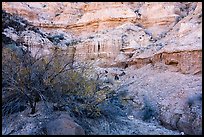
x=154 y=48
x=121 y=30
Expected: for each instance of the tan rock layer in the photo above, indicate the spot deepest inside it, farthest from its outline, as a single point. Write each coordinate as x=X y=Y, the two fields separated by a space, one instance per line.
x=186 y=62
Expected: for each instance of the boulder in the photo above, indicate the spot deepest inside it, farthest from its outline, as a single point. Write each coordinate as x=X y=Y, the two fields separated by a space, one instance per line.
x=64 y=126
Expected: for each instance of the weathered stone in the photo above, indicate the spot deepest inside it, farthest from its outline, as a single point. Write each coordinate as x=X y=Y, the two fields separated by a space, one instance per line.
x=63 y=126
x=157 y=45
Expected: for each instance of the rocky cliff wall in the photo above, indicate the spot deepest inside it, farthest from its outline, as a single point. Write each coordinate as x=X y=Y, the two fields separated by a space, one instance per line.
x=151 y=43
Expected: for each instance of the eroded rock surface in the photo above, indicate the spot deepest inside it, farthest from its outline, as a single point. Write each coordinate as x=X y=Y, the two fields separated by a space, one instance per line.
x=44 y=122
x=151 y=50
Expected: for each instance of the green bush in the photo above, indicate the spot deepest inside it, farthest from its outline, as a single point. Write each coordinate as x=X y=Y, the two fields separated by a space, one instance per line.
x=50 y=78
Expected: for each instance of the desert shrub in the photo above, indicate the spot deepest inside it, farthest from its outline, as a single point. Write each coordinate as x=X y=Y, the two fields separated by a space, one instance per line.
x=73 y=42
x=113 y=107
x=17 y=80
x=51 y=78
x=14 y=21
x=192 y=100
x=149 y=109
x=193 y=105
x=56 y=38
x=85 y=94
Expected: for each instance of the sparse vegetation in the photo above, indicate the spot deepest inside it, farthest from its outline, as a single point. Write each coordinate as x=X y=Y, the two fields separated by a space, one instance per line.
x=149 y=110
x=14 y=21
x=27 y=80
x=53 y=78
x=55 y=39
x=192 y=100
x=117 y=96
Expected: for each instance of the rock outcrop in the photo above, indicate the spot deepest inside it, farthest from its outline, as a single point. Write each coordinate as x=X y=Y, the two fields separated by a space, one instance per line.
x=167 y=94
x=64 y=125
x=123 y=28
x=150 y=50
x=44 y=122
x=84 y=18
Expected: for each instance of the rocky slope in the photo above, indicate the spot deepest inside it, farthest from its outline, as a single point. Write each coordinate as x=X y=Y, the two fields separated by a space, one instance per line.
x=150 y=50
